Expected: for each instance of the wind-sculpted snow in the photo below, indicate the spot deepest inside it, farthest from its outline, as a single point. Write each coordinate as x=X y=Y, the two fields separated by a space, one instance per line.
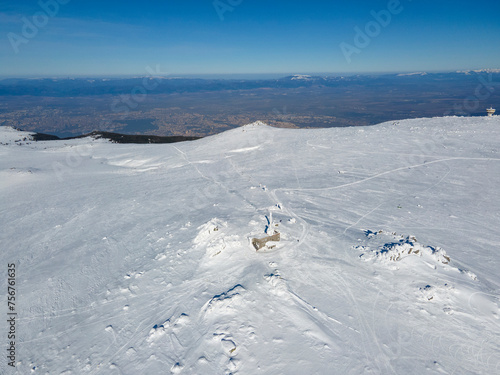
x=138 y=259
x=409 y=246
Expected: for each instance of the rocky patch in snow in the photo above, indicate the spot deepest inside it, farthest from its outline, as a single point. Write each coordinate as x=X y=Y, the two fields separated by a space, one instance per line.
x=213 y=236
x=396 y=251
x=225 y=302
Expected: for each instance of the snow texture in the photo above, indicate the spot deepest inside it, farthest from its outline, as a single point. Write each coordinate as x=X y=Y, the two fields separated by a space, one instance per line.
x=138 y=259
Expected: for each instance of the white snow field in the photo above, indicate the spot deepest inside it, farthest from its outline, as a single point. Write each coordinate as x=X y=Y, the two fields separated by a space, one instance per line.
x=138 y=259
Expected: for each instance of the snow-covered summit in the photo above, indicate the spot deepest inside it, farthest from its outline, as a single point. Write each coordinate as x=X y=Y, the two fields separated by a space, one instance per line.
x=301 y=77
x=412 y=74
x=139 y=258
x=11 y=134
x=490 y=70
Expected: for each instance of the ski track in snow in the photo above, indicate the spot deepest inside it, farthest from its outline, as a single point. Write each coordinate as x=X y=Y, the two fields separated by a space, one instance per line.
x=391 y=171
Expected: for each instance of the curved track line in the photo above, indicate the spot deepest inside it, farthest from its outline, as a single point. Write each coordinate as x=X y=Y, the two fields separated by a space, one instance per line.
x=389 y=172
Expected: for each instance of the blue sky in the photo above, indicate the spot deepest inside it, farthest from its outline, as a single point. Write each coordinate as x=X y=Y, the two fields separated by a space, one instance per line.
x=244 y=36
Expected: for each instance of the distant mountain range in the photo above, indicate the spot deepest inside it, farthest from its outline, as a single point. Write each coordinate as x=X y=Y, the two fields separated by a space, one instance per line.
x=69 y=87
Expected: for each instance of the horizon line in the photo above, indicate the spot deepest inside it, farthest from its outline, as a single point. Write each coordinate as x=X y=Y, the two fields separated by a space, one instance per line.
x=269 y=74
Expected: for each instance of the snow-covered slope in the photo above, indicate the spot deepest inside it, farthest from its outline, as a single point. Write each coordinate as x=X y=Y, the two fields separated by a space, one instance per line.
x=137 y=259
